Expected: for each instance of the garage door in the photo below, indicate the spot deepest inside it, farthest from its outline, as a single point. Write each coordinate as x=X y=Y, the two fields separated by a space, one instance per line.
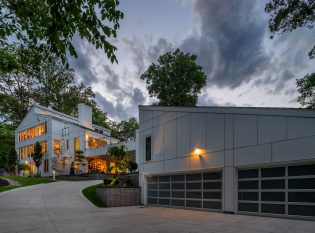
x=285 y=190
x=197 y=190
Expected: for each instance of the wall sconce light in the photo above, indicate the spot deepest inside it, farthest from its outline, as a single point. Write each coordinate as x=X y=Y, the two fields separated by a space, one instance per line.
x=197 y=151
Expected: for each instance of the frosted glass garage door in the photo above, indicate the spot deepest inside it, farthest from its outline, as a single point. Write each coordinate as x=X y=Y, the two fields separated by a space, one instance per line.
x=197 y=190
x=283 y=190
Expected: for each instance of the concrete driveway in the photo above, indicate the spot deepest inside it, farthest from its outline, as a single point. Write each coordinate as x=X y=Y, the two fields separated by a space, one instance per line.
x=60 y=207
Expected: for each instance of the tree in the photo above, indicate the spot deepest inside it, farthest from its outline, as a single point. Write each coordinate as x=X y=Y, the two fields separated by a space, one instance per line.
x=176 y=80
x=12 y=159
x=3 y=161
x=37 y=156
x=6 y=138
x=55 y=23
x=62 y=162
x=41 y=77
x=287 y=15
x=125 y=130
x=79 y=160
x=306 y=88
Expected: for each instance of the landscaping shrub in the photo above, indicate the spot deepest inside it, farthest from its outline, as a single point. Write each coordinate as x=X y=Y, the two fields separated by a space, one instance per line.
x=4 y=183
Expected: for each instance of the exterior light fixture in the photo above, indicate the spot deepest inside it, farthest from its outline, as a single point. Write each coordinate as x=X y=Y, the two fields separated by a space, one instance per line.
x=54 y=175
x=197 y=151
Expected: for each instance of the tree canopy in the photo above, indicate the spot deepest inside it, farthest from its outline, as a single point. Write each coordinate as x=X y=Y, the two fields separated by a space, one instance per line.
x=55 y=23
x=306 y=88
x=176 y=79
x=287 y=15
x=40 y=77
x=125 y=130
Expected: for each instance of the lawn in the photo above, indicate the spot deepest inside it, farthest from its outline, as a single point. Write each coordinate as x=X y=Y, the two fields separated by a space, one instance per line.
x=25 y=181
x=90 y=194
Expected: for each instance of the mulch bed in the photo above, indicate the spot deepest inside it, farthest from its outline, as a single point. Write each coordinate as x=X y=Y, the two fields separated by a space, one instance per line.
x=3 y=183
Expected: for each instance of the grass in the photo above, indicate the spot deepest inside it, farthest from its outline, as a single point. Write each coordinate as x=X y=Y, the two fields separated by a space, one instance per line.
x=90 y=194
x=6 y=188
x=25 y=181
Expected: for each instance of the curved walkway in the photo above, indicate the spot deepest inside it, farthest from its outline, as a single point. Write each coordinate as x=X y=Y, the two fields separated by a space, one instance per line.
x=60 y=208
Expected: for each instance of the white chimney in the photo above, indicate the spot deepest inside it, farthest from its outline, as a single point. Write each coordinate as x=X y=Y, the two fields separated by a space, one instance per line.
x=85 y=115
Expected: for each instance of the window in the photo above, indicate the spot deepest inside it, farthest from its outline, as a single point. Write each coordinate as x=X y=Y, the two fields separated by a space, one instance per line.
x=57 y=147
x=22 y=136
x=44 y=147
x=65 y=131
x=67 y=144
x=31 y=133
x=42 y=129
x=94 y=142
x=46 y=164
x=22 y=152
x=148 y=148
x=76 y=144
x=30 y=150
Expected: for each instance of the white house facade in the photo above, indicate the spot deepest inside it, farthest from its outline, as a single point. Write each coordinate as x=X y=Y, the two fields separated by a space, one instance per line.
x=62 y=135
x=237 y=160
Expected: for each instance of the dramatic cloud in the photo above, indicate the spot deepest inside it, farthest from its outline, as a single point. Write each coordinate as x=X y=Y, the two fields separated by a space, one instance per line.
x=244 y=66
x=230 y=44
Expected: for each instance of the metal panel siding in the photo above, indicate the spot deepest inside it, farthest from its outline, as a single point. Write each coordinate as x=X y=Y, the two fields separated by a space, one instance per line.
x=215 y=132
x=170 y=140
x=183 y=136
x=245 y=130
x=198 y=130
x=271 y=129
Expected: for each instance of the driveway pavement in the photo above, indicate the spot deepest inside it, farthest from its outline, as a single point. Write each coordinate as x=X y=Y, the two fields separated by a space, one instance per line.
x=60 y=207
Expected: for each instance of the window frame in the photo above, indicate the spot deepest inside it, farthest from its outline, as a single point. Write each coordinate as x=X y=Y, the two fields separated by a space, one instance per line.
x=147 y=158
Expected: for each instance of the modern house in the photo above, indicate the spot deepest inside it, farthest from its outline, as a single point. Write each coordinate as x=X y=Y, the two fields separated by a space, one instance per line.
x=228 y=159
x=62 y=135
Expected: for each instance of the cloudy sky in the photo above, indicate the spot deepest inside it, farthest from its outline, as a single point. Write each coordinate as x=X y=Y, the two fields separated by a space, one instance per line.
x=231 y=39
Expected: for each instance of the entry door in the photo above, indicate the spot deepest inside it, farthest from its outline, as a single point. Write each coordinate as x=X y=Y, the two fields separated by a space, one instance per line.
x=195 y=190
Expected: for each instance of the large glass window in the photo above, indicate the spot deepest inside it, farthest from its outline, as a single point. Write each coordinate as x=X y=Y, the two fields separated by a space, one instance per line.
x=148 y=148
x=31 y=133
x=56 y=147
x=94 y=142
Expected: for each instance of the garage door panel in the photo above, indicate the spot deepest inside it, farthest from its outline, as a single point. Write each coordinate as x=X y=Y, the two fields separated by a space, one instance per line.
x=196 y=190
x=273 y=208
x=283 y=190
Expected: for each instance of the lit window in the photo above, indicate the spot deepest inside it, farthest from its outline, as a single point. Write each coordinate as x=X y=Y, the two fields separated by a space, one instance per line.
x=31 y=133
x=30 y=150
x=42 y=129
x=76 y=144
x=57 y=147
x=148 y=148
x=44 y=147
x=22 y=136
x=93 y=142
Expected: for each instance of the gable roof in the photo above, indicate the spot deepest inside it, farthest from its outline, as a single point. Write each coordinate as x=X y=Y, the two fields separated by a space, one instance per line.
x=41 y=110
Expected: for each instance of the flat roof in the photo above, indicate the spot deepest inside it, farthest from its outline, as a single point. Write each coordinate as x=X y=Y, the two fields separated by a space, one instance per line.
x=281 y=111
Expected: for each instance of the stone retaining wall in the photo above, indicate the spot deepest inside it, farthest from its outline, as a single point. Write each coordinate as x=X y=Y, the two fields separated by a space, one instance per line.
x=114 y=197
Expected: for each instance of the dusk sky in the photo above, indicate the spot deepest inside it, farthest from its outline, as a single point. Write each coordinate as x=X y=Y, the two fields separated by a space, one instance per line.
x=244 y=66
